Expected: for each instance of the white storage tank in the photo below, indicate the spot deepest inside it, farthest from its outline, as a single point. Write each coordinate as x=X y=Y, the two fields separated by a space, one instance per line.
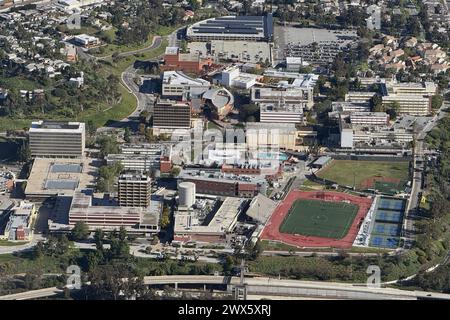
x=186 y=192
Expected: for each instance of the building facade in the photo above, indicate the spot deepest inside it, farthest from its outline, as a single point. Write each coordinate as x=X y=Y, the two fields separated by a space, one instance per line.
x=169 y=114
x=134 y=190
x=57 y=139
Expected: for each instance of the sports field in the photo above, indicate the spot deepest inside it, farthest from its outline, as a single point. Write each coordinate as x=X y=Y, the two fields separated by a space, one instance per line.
x=318 y=218
x=365 y=174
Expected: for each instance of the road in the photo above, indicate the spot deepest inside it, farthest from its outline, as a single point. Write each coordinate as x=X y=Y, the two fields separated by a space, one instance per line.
x=416 y=187
x=23 y=247
x=270 y=286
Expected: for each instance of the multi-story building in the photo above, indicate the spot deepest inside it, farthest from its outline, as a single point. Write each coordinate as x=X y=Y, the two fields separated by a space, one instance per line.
x=134 y=190
x=354 y=136
x=221 y=184
x=177 y=85
x=359 y=97
x=101 y=216
x=170 y=115
x=219 y=102
x=412 y=88
x=299 y=96
x=281 y=113
x=143 y=157
x=57 y=139
x=248 y=28
x=344 y=106
x=233 y=77
x=369 y=118
x=86 y=41
x=111 y=217
x=271 y=136
x=190 y=225
x=292 y=87
x=186 y=62
x=19 y=225
x=416 y=105
x=412 y=98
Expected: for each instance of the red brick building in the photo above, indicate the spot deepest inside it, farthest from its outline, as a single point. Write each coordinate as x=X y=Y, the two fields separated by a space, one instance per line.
x=186 y=62
x=249 y=170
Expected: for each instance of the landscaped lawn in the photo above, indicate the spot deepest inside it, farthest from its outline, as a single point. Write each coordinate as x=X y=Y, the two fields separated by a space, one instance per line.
x=6 y=243
x=116 y=112
x=347 y=172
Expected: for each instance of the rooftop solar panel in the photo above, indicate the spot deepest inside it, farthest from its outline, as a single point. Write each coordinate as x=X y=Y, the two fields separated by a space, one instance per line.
x=66 y=168
x=61 y=184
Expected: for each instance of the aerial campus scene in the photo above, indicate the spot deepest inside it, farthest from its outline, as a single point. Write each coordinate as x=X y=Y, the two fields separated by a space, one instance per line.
x=224 y=150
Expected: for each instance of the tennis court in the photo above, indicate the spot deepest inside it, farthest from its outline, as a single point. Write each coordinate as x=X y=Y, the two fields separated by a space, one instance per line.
x=319 y=218
x=386 y=229
x=388 y=216
x=384 y=242
x=391 y=204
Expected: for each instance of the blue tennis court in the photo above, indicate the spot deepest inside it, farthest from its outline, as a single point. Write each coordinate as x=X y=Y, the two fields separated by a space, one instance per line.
x=388 y=229
x=384 y=242
x=391 y=204
x=388 y=216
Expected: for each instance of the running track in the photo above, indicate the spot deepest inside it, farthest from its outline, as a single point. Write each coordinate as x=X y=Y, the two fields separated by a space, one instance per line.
x=272 y=229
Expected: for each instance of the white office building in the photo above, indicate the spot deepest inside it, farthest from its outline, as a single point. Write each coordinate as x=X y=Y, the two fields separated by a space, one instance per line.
x=52 y=139
x=369 y=118
x=281 y=112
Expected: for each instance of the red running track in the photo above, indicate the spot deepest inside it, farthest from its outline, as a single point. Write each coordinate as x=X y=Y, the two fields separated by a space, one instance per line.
x=272 y=229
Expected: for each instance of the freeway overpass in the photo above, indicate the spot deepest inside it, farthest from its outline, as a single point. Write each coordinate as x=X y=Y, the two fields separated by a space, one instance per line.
x=269 y=287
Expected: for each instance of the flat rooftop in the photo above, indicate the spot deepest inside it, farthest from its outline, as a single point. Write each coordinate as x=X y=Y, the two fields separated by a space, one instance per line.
x=50 y=177
x=134 y=177
x=49 y=126
x=299 y=80
x=218 y=176
x=282 y=107
x=238 y=26
x=222 y=222
x=179 y=78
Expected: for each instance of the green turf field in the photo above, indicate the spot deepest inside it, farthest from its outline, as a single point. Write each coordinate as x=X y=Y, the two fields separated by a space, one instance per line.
x=346 y=172
x=319 y=218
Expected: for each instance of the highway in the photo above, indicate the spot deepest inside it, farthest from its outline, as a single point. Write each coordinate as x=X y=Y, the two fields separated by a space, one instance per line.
x=269 y=287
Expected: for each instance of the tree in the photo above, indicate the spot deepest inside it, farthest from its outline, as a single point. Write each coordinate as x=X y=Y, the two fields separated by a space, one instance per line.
x=175 y=171
x=141 y=129
x=90 y=127
x=248 y=110
x=228 y=264
x=194 y=4
x=165 y=218
x=377 y=103
x=80 y=231
x=98 y=238
x=24 y=153
x=256 y=250
x=127 y=135
x=108 y=145
x=436 y=101
x=392 y=109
